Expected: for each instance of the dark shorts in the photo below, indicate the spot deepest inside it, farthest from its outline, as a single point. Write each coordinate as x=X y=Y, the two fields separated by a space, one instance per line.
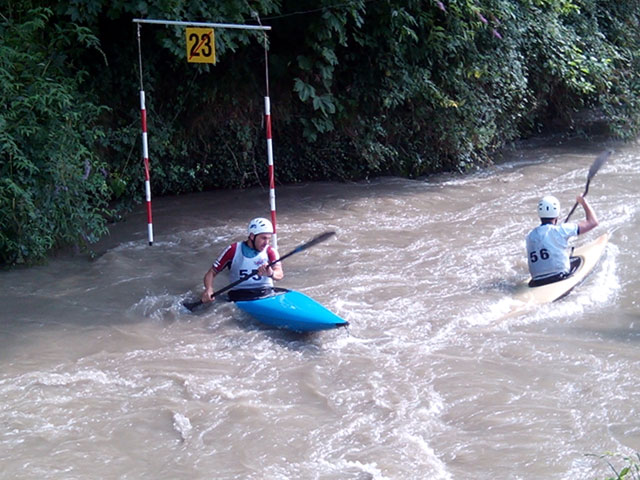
x=575 y=263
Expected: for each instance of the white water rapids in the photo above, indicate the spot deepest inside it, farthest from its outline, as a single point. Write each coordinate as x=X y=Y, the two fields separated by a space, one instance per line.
x=104 y=375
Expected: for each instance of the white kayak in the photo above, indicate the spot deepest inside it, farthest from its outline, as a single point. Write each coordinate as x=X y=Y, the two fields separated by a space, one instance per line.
x=589 y=255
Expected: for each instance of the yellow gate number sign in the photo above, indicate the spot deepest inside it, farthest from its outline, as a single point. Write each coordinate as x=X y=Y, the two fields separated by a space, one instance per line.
x=201 y=45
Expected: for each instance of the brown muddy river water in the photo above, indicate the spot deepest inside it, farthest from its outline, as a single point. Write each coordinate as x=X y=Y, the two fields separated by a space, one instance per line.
x=104 y=375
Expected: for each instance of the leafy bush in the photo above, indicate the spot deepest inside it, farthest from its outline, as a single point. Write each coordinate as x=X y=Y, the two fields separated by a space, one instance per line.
x=359 y=88
x=52 y=185
x=419 y=88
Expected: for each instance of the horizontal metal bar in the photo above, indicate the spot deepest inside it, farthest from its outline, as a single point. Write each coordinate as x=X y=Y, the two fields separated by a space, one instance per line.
x=202 y=24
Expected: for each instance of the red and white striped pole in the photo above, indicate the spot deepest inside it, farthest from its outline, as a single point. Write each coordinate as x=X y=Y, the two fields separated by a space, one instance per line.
x=147 y=179
x=145 y=148
x=272 y=182
x=267 y=122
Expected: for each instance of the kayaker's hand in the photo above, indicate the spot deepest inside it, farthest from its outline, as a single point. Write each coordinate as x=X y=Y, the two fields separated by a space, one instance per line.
x=207 y=296
x=265 y=271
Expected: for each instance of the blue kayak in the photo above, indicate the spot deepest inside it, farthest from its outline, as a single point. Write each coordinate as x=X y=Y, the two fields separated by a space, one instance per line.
x=292 y=310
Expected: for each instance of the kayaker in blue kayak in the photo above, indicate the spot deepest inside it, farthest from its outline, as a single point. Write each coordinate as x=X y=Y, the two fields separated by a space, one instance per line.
x=548 y=251
x=241 y=258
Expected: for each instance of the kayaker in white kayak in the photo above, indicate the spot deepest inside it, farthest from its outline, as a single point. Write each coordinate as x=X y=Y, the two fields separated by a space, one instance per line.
x=241 y=258
x=548 y=251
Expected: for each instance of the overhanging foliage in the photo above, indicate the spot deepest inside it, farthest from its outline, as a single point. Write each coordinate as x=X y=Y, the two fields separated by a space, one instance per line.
x=359 y=88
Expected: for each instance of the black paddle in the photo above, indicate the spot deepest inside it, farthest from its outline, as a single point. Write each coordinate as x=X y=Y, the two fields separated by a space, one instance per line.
x=314 y=241
x=597 y=163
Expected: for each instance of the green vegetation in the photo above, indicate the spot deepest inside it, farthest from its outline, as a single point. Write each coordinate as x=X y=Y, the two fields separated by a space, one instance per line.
x=52 y=191
x=630 y=469
x=359 y=88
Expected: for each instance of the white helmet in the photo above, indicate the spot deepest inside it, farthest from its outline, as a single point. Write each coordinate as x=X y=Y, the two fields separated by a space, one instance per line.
x=549 y=207
x=260 y=225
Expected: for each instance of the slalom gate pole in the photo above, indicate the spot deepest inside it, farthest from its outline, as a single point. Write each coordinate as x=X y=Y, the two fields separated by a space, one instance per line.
x=145 y=148
x=267 y=121
x=272 y=183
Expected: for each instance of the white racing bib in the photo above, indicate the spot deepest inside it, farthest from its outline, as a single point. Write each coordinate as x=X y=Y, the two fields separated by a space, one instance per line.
x=241 y=266
x=548 y=249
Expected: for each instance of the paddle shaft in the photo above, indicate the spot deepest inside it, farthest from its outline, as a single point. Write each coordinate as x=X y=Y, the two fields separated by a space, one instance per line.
x=595 y=166
x=314 y=241
x=575 y=205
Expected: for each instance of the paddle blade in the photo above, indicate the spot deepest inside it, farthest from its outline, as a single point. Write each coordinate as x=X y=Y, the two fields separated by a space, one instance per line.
x=598 y=162
x=191 y=305
x=595 y=166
